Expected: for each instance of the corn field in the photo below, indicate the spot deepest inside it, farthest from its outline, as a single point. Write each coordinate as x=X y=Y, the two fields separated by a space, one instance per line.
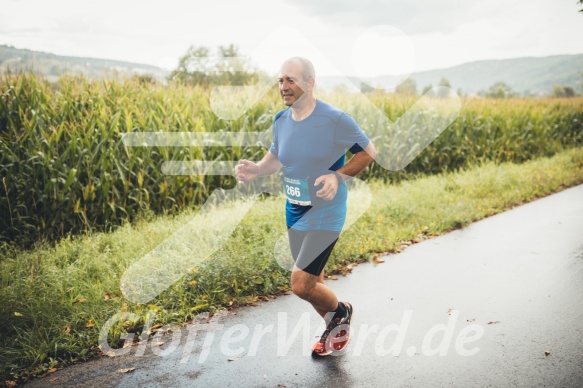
x=64 y=168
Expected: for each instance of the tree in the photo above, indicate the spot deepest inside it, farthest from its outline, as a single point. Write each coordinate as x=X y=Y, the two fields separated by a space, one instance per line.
x=407 y=87
x=201 y=66
x=444 y=82
x=499 y=90
x=563 y=91
x=427 y=88
x=145 y=79
x=366 y=88
x=444 y=92
x=233 y=71
x=558 y=91
x=192 y=66
x=569 y=91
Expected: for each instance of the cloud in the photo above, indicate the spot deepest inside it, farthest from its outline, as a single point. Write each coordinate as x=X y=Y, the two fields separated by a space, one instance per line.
x=442 y=33
x=423 y=16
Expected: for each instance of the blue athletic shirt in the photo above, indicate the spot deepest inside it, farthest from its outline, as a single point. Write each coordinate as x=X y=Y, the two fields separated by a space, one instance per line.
x=313 y=147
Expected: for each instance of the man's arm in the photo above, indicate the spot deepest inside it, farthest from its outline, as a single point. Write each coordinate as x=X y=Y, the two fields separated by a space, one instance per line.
x=246 y=170
x=356 y=164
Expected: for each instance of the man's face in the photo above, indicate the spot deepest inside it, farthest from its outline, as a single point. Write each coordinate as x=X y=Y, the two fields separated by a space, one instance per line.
x=291 y=83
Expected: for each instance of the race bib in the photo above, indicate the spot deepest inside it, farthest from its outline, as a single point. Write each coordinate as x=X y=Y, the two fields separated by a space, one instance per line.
x=297 y=191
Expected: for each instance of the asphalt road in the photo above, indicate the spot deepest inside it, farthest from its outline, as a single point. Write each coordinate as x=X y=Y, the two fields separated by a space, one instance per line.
x=476 y=307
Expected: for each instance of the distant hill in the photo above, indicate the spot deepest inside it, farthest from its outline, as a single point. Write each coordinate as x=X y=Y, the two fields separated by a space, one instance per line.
x=52 y=66
x=528 y=76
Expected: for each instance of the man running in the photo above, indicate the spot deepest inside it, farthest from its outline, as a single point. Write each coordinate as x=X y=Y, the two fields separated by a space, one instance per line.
x=310 y=139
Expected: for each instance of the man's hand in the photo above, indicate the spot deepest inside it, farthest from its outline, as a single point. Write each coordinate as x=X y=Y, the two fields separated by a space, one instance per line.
x=328 y=192
x=246 y=171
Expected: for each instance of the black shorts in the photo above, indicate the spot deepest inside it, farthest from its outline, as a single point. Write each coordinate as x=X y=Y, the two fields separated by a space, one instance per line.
x=311 y=249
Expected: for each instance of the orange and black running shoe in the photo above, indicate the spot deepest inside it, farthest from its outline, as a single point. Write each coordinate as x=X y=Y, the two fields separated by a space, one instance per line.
x=336 y=336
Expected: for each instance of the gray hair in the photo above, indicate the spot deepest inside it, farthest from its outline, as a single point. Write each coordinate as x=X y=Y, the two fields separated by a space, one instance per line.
x=308 y=70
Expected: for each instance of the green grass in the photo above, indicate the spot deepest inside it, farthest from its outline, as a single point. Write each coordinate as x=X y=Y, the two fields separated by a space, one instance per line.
x=56 y=298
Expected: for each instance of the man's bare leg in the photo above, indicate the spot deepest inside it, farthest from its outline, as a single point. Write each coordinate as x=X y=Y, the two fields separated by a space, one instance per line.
x=321 y=312
x=313 y=289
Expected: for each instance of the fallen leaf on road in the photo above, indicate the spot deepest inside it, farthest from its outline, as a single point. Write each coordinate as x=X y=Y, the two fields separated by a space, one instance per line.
x=53 y=370
x=548 y=352
x=10 y=383
x=470 y=320
x=493 y=322
x=90 y=323
x=331 y=277
x=53 y=379
x=160 y=343
x=110 y=353
x=107 y=296
x=126 y=370
x=233 y=358
x=378 y=260
x=449 y=311
x=346 y=269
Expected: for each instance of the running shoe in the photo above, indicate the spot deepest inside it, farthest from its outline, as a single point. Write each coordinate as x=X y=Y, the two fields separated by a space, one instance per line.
x=336 y=336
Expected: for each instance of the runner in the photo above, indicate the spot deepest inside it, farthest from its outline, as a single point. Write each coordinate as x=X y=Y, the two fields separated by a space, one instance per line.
x=310 y=139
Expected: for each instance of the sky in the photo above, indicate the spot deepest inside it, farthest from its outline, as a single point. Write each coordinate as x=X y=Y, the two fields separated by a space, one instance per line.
x=363 y=38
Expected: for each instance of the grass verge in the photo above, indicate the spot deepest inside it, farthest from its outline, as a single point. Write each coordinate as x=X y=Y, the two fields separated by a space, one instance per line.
x=55 y=300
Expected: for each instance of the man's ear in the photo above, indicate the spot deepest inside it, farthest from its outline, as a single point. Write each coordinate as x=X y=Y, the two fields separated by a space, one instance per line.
x=311 y=83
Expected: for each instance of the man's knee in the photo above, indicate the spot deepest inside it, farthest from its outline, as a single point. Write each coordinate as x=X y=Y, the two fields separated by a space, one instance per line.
x=302 y=285
x=302 y=291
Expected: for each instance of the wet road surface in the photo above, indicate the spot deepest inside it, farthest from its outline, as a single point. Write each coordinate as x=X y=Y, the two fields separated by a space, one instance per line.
x=476 y=307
